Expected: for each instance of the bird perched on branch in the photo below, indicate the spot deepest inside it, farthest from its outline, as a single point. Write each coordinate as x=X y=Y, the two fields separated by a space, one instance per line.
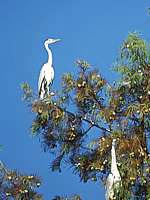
x=47 y=71
x=114 y=179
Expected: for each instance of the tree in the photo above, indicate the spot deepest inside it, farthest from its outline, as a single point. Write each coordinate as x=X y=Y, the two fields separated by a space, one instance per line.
x=79 y=122
x=14 y=185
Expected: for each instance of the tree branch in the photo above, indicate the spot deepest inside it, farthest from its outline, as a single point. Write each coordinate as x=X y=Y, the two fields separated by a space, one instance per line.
x=93 y=124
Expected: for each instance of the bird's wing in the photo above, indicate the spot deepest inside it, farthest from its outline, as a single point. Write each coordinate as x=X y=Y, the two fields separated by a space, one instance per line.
x=49 y=75
x=109 y=187
x=116 y=173
x=41 y=77
x=109 y=181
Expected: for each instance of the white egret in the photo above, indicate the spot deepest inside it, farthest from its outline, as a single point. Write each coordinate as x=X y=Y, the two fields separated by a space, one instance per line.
x=114 y=179
x=47 y=71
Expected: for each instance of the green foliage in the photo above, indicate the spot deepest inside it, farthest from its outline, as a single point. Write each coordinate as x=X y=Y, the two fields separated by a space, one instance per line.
x=134 y=50
x=27 y=91
x=17 y=186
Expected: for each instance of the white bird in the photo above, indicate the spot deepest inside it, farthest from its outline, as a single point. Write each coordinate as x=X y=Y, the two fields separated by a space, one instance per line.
x=47 y=72
x=114 y=179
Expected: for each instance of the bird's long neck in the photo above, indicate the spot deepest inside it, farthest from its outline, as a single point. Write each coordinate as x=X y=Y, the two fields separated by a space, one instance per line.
x=49 y=54
x=113 y=160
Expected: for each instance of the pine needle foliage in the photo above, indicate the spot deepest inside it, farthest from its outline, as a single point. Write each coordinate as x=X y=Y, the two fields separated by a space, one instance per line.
x=16 y=186
x=78 y=123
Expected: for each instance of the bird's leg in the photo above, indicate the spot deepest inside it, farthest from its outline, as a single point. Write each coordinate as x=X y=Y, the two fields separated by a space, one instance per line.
x=47 y=90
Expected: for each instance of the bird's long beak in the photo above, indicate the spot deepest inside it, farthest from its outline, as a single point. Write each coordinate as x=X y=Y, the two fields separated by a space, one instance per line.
x=57 y=40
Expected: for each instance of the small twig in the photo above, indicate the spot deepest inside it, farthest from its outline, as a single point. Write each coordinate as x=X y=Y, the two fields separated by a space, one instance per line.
x=96 y=125
x=88 y=129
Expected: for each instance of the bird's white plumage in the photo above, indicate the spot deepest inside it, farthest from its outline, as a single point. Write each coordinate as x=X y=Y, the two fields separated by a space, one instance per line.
x=109 y=186
x=47 y=72
x=45 y=79
x=114 y=178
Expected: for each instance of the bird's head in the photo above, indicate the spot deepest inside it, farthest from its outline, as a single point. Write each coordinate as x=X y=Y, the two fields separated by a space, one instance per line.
x=51 y=41
x=114 y=142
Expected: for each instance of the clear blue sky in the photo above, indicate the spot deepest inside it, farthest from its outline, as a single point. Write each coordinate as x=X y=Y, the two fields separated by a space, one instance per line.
x=89 y=29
